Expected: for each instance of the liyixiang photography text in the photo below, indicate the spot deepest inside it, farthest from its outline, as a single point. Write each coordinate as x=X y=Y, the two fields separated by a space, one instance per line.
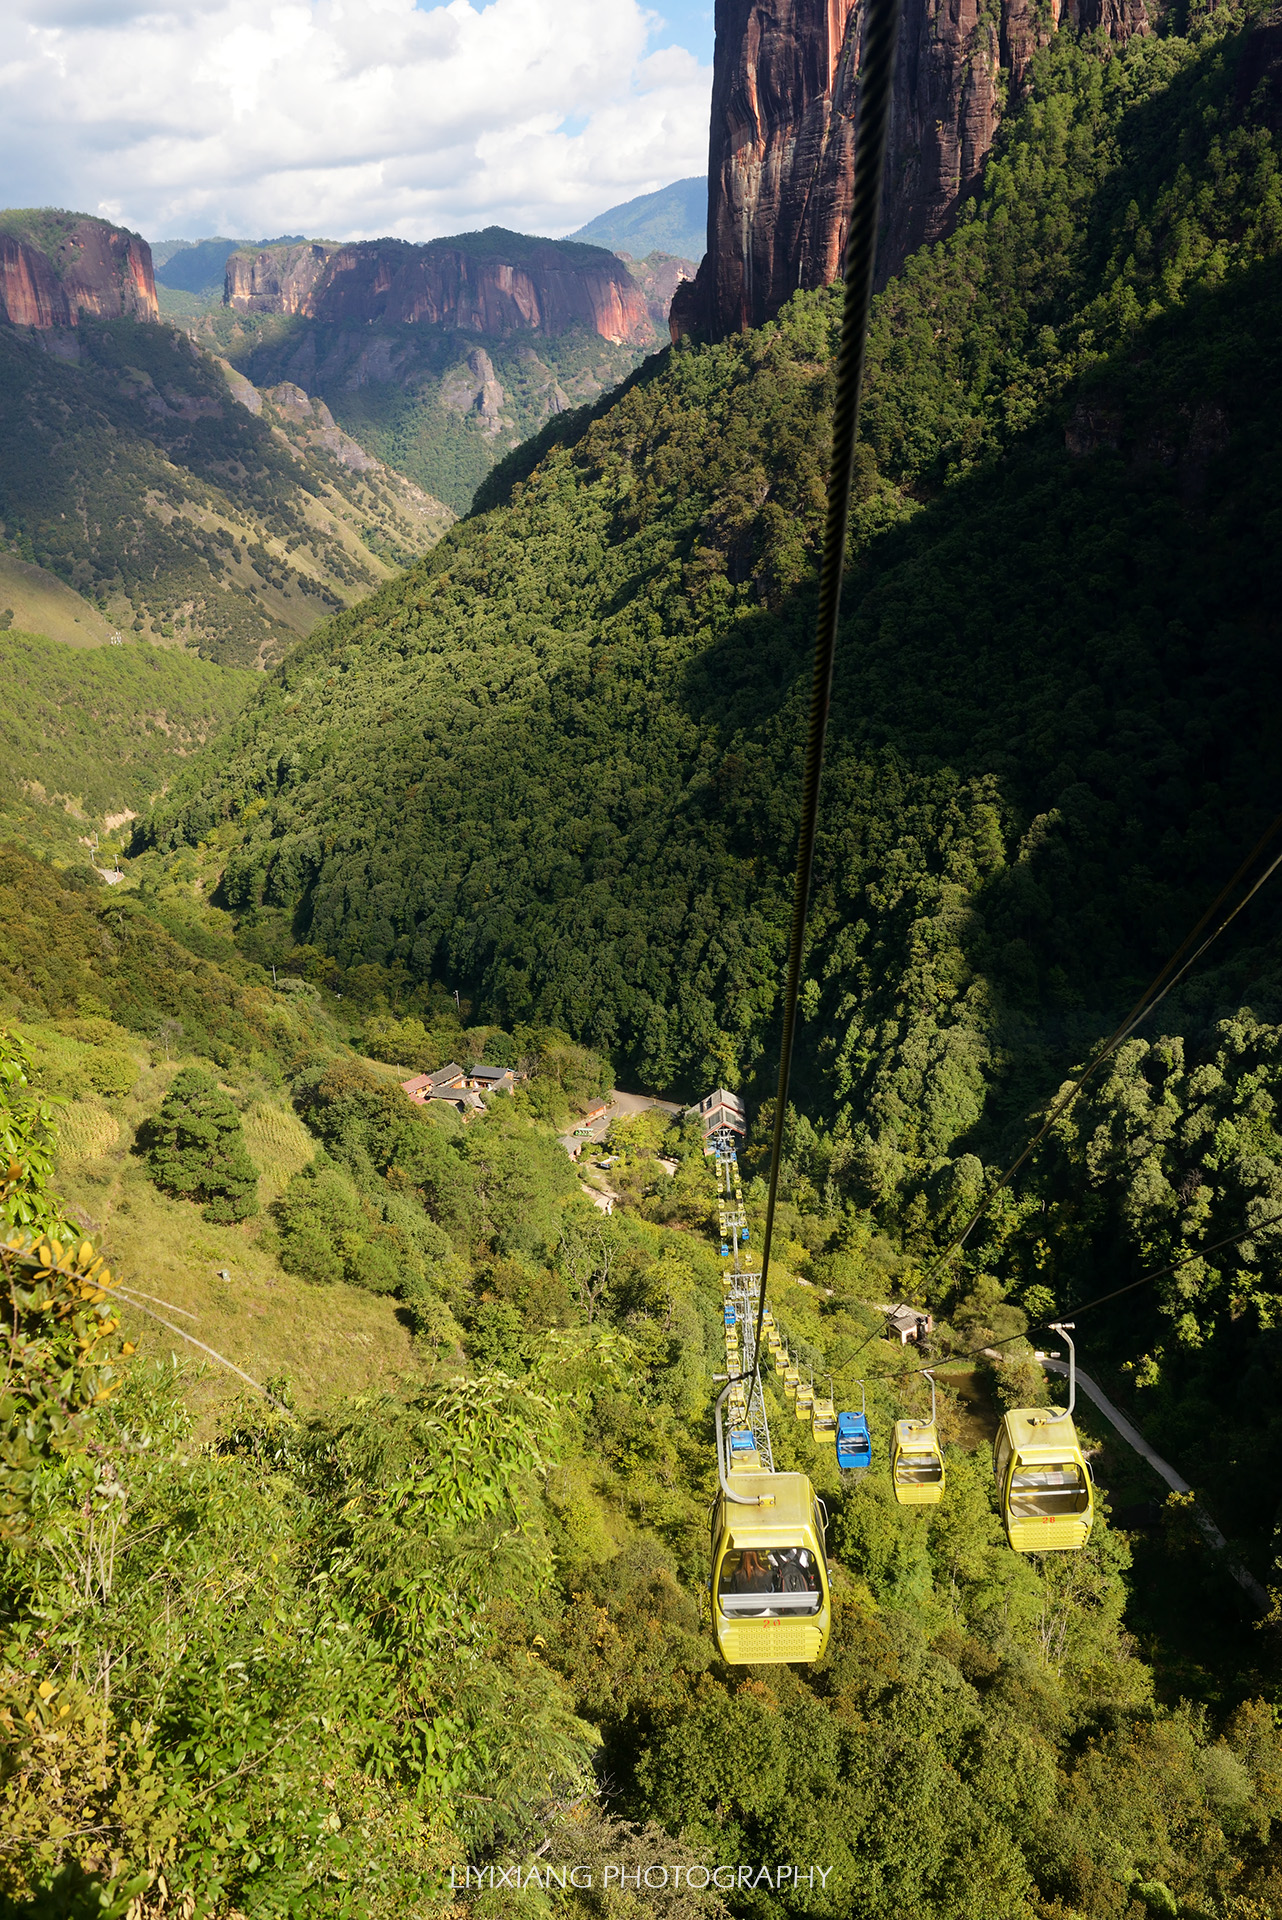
x=658 y=1878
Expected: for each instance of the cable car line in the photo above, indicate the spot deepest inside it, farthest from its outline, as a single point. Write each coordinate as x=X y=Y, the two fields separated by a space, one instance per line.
x=877 y=68
x=1169 y=977
x=769 y=1578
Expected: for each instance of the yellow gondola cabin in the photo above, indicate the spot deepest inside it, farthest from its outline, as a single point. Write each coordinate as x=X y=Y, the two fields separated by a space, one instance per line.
x=770 y=1601
x=823 y=1423
x=916 y=1459
x=916 y=1464
x=1043 y=1483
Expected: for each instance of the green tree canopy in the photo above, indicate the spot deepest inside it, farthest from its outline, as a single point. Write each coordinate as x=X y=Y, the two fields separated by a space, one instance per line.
x=196 y=1149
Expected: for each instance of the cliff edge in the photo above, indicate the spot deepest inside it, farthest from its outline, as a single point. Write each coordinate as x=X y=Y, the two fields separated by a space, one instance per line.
x=56 y=267
x=494 y=283
x=781 y=153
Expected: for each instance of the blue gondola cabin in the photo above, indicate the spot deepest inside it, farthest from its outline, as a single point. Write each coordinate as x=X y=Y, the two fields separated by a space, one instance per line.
x=854 y=1443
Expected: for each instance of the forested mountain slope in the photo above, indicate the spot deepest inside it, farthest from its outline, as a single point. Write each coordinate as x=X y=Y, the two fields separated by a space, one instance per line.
x=1053 y=701
x=181 y=502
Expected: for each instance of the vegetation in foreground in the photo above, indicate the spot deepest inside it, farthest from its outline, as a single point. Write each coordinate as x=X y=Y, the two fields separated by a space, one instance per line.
x=261 y=1660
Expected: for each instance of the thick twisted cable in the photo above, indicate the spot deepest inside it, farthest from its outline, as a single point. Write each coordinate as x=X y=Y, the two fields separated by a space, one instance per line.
x=877 y=73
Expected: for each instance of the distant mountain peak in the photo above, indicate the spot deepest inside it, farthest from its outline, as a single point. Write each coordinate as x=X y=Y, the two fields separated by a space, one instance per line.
x=672 y=220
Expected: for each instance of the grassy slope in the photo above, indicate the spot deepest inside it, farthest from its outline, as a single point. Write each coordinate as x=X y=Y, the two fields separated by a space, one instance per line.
x=130 y=471
x=72 y=956
x=89 y=738
x=41 y=603
x=263 y=1319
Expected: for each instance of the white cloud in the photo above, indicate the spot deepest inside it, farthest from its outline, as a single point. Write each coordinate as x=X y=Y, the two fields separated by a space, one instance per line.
x=343 y=118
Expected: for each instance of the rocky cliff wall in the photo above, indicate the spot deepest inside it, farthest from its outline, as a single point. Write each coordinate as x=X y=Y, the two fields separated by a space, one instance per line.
x=540 y=286
x=781 y=155
x=56 y=268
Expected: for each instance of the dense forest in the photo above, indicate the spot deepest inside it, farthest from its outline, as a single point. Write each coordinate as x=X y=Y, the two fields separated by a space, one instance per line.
x=1053 y=687
x=412 y=1616
x=181 y=502
x=424 y=1642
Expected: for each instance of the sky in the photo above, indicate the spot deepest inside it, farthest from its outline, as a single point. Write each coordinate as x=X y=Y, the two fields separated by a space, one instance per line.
x=349 y=119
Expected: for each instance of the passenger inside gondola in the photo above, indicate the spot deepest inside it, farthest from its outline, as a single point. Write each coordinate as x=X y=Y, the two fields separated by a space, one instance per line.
x=1048 y=1491
x=758 y=1582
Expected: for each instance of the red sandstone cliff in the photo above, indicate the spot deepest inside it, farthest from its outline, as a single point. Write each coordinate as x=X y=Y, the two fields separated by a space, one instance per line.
x=782 y=139
x=54 y=267
x=505 y=284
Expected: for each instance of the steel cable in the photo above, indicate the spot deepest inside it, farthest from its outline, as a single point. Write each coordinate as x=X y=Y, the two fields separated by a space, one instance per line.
x=1100 y=1300
x=876 y=78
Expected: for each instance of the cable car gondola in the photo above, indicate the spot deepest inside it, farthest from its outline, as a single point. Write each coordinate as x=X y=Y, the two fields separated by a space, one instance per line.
x=769 y=1589
x=916 y=1462
x=823 y=1421
x=803 y=1404
x=854 y=1442
x=1043 y=1480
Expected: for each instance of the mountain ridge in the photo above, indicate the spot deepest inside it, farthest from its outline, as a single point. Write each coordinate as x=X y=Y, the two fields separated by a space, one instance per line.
x=56 y=266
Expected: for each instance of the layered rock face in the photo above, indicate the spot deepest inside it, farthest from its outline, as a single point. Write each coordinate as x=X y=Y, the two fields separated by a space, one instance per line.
x=781 y=162
x=492 y=283
x=54 y=268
